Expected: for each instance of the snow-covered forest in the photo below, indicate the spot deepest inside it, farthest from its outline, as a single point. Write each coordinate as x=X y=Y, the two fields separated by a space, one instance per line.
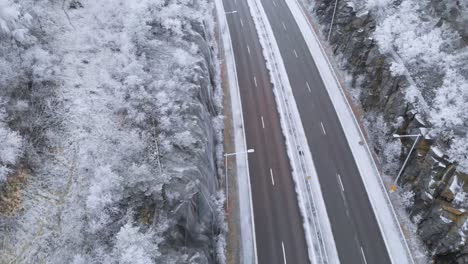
x=108 y=150
x=430 y=42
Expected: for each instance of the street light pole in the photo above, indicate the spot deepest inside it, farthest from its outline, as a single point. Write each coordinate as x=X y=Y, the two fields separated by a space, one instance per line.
x=226 y=155
x=393 y=187
x=333 y=19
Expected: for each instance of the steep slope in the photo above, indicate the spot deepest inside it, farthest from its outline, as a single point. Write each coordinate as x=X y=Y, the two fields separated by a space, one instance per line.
x=109 y=110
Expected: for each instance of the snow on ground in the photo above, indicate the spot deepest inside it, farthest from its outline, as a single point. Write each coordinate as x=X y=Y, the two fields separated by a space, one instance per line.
x=432 y=54
x=112 y=100
x=383 y=208
x=317 y=227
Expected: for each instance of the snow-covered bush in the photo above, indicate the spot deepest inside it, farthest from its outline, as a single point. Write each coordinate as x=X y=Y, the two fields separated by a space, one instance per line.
x=135 y=247
x=407 y=198
x=14 y=22
x=10 y=151
x=377 y=3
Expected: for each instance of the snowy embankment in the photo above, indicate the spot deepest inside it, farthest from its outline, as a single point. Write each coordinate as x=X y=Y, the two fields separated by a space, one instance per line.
x=111 y=108
x=247 y=224
x=317 y=227
x=381 y=204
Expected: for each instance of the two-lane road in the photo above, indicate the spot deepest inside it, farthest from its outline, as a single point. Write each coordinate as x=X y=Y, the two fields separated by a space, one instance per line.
x=278 y=223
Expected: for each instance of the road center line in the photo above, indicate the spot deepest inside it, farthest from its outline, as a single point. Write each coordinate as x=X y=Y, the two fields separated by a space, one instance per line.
x=341 y=183
x=263 y=123
x=308 y=87
x=255 y=80
x=363 y=255
x=248 y=49
x=323 y=128
x=284 y=26
x=284 y=252
x=295 y=53
x=272 y=178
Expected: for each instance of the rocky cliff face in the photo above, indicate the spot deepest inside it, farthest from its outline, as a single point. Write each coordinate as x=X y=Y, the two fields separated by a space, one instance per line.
x=434 y=190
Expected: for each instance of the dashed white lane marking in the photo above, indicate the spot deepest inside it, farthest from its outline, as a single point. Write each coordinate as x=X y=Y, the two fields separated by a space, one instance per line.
x=242 y=22
x=295 y=53
x=274 y=3
x=272 y=178
x=284 y=252
x=255 y=80
x=284 y=26
x=248 y=49
x=363 y=255
x=323 y=128
x=263 y=123
x=347 y=212
x=308 y=87
x=341 y=183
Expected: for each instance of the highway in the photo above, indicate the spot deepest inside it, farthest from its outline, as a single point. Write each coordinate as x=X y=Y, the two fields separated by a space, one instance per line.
x=278 y=224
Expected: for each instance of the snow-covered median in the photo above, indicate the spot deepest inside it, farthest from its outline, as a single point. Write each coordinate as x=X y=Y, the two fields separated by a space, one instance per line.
x=317 y=227
x=383 y=209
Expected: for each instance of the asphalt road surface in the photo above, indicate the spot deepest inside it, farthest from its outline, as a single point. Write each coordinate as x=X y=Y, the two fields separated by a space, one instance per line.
x=278 y=224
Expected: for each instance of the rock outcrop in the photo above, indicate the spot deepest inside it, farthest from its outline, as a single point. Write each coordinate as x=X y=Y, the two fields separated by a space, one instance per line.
x=438 y=204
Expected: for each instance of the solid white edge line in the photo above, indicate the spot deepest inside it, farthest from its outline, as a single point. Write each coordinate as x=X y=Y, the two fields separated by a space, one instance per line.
x=272 y=178
x=239 y=133
x=363 y=255
x=263 y=122
x=341 y=183
x=323 y=128
x=295 y=4
x=284 y=253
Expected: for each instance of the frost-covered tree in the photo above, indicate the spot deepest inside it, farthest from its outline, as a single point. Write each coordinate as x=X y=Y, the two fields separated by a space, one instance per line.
x=111 y=105
x=134 y=247
x=434 y=55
